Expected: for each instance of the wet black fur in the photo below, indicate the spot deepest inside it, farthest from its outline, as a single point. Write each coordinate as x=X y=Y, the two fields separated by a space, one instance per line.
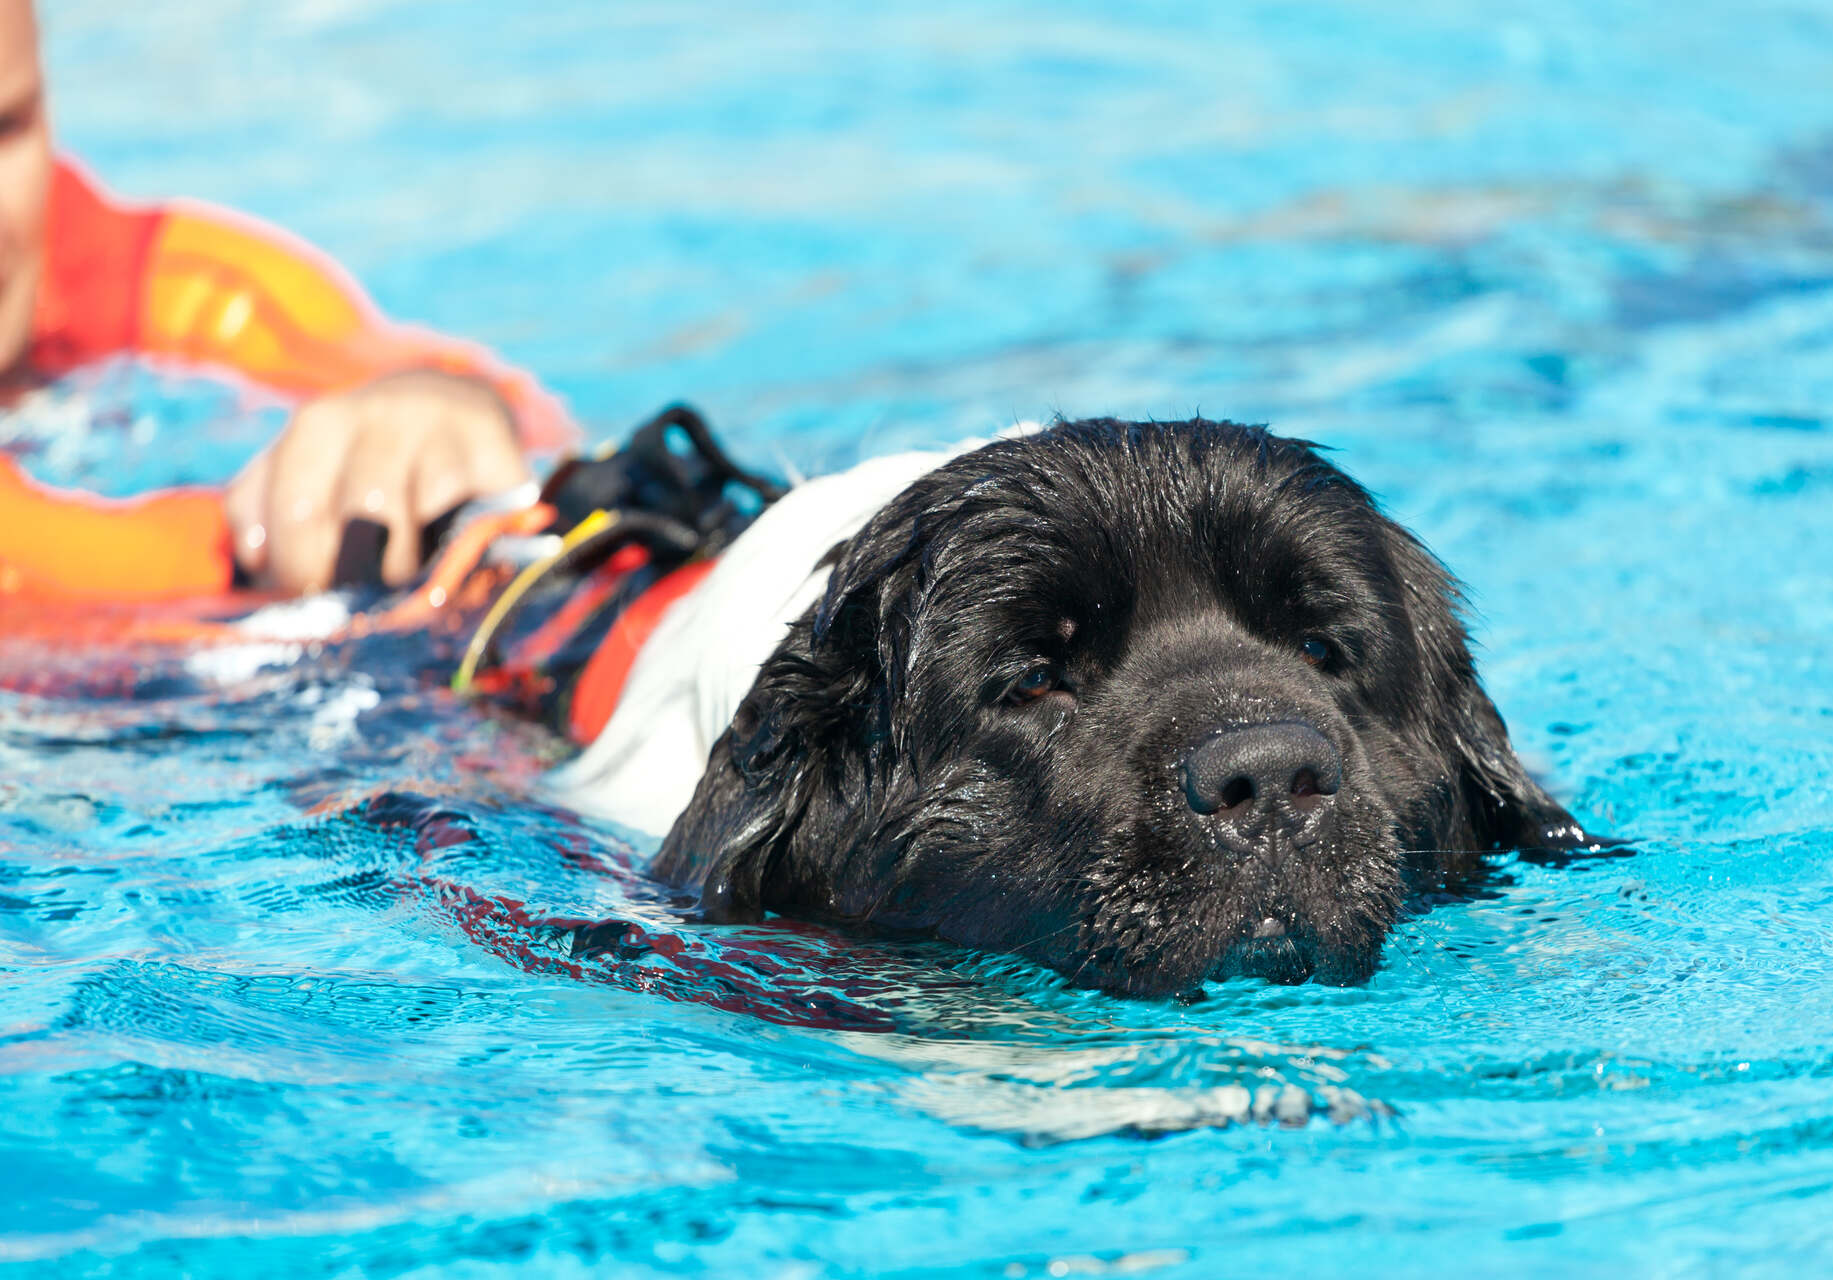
x=879 y=770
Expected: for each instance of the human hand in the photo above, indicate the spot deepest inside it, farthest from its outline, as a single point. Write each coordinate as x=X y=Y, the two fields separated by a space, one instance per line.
x=400 y=451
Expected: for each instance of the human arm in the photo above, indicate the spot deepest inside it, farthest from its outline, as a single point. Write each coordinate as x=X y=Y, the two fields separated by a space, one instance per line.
x=384 y=408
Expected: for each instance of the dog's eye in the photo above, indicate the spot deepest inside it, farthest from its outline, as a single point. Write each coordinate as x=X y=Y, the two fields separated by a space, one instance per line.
x=1034 y=684
x=1317 y=650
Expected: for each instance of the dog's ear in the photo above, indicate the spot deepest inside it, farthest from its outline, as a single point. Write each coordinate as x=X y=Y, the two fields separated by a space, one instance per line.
x=723 y=841
x=1507 y=808
x=762 y=777
x=1502 y=804
x=771 y=810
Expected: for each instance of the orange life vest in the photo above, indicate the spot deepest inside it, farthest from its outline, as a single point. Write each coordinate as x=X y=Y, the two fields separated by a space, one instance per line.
x=206 y=288
x=211 y=289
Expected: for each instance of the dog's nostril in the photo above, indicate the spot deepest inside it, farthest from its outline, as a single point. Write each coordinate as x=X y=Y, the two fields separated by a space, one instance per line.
x=1285 y=761
x=1304 y=783
x=1237 y=790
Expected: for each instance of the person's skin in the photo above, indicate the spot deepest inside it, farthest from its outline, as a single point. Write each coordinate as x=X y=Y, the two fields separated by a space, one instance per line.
x=400 y=450
x=25 y=179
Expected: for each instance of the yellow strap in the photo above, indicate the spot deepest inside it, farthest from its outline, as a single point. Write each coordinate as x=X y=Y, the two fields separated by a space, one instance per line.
x=587 y=529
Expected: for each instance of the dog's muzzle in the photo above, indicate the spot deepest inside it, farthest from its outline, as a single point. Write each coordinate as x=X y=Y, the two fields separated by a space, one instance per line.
x=1256 y=775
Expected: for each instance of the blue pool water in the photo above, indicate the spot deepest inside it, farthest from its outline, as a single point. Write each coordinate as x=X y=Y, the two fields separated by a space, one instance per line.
x=282 y=989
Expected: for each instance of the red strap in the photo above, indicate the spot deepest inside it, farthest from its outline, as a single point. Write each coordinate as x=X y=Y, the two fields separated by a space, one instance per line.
x=539 y=648
x=602 y=681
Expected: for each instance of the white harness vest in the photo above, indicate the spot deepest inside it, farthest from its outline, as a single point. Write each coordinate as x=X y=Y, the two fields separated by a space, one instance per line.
x=705 y=653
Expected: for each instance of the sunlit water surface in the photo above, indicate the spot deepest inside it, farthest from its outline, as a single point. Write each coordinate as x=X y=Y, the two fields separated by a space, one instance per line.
x=290 y=971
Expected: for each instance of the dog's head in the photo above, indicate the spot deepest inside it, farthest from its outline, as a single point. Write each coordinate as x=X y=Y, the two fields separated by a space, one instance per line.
x=1149 y=703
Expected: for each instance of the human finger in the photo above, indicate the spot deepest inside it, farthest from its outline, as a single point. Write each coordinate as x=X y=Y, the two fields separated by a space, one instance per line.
x=477 y=458
x=376 y=484
x=441 y=479
x=245 y=505
x=303 y=513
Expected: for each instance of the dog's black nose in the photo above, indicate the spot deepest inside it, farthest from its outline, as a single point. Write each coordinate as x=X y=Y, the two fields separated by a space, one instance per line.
x=1261 y=766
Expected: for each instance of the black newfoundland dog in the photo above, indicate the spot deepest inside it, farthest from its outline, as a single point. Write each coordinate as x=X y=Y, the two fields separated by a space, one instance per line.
x=1149 y=703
